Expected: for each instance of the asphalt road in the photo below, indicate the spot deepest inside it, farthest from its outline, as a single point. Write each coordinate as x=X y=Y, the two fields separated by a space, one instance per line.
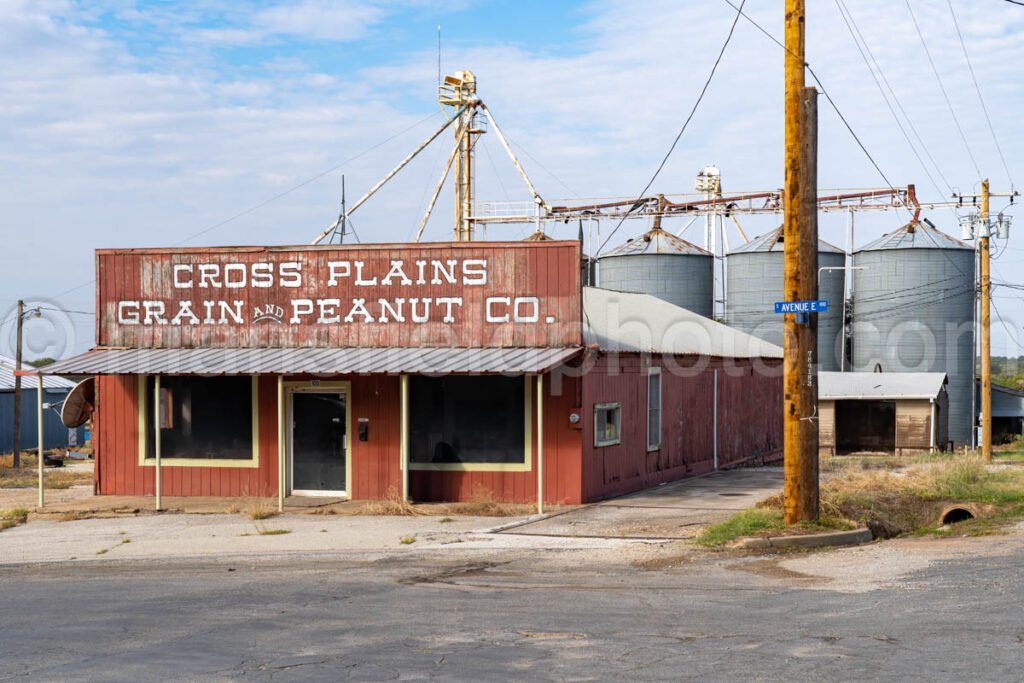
x=521 y=616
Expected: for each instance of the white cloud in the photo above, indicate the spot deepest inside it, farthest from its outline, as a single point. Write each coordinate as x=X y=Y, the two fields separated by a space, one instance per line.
x=102 y=147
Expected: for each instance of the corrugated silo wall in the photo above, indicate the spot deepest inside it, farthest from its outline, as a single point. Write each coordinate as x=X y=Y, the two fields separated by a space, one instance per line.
x=912 y=313
x=681 y=279
x=754 y=284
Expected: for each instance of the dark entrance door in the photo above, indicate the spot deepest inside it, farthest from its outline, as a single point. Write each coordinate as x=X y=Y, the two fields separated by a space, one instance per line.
x=865 y=426
x=318 y=442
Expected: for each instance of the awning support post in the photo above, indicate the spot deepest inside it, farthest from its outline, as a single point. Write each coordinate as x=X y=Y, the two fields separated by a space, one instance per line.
x=156 y=437
x=39 y=421
x=540 y=444
x=403 y=438
x=931 y=448
x=280 y=443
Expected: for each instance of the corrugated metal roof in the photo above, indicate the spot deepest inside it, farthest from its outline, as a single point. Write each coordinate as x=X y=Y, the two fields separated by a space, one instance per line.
x=622 y=321
x=915 y=235
x=7 y=366
x=772 y=241
x=309 y=360
x=880 y=385
x=656 y=241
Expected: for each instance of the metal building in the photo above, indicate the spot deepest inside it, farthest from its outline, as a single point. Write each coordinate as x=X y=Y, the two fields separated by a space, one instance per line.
x=754 y=280
x=662 y=265
x=912 y=312
x=55 y=389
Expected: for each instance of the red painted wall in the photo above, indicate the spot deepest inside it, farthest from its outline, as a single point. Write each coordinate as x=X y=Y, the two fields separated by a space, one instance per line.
x=375 y=462
x=749 y=420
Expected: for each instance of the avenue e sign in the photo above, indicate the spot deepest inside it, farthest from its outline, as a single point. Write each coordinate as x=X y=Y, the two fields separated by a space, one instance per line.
x=819 y=306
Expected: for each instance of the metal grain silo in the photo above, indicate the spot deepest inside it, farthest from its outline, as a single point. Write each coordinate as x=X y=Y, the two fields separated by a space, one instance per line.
x=912 y=312
x=662 y=265
x=754 y=278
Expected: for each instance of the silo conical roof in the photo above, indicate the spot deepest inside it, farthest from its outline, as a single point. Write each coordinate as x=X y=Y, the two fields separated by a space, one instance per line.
x=915 y=235
x=539 y=235
x=772 y=241
x=657 y=241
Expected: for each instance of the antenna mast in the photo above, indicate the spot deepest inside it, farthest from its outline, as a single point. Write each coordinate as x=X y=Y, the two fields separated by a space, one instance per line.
x=459 y=92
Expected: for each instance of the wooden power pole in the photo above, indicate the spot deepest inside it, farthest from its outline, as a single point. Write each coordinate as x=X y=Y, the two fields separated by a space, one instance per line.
x=16 y=459
x=800 y=237
x=986 y=329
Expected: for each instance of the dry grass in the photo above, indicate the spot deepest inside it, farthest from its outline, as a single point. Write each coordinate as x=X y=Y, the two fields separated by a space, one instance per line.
x=12 y=517
x=482 y=503
x=896 y=501
x=27 y=475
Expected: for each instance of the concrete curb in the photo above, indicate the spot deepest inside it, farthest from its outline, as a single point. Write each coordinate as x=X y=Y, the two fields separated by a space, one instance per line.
x=837 y=538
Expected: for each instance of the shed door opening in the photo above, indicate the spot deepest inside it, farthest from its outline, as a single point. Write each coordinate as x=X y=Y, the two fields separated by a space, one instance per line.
x=868 y=426
x=318 y=443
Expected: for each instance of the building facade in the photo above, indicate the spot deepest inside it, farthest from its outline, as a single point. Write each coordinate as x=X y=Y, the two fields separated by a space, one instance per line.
x=435 y=372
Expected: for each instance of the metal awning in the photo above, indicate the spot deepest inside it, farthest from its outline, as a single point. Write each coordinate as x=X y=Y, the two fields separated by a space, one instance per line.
x=291 y=361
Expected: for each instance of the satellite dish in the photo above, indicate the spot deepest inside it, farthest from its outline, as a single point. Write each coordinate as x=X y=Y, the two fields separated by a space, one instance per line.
x=78 y=406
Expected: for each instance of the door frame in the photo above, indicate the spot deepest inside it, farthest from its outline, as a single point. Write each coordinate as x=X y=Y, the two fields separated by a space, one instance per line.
x=315 y=386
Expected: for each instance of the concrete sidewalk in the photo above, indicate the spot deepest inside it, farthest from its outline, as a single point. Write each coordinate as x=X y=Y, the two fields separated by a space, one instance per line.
x=676 y=510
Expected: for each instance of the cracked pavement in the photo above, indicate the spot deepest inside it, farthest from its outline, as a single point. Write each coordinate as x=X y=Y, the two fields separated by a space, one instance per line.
x=934 y=609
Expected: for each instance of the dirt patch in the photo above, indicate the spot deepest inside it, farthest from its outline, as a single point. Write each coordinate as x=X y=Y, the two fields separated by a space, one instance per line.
x=770 y=568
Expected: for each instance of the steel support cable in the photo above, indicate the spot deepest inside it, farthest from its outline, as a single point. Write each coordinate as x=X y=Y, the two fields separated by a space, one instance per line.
x=981 y=99
x=679 y=135
x=828 y=97
x=865 y=53
x=942 y=87
x=1013 y=337
x=280 y=195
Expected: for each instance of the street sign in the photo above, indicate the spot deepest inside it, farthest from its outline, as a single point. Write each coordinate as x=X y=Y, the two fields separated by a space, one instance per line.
x=819 y=306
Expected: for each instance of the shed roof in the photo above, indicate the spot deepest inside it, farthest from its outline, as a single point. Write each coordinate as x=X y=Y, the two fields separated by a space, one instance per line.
x=772 y=241
x=641 y=323
x=311 y=360
x=657 y=241
x=880 y=385
x=915 y=235
x=7 y=366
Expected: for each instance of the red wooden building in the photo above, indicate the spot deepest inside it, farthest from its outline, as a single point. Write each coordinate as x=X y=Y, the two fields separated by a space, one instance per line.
x=434 y=371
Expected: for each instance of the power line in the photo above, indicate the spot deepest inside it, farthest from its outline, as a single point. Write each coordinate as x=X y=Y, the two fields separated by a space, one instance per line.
x=980 y=97
x=945 y=96
x=855 y=33
x=679 y=135
x=279 y=195
x=824 y=91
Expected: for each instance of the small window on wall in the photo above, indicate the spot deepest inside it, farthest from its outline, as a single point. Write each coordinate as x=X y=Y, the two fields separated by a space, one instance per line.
x=607 y=424
x=653 y=409
x=468 y=422
x=202 y=419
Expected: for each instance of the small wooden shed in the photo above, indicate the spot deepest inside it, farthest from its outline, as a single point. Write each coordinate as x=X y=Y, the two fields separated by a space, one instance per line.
x=891 y=412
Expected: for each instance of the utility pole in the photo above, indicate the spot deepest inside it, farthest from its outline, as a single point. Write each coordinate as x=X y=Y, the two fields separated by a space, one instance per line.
x=800 y=238
x=980 y=227
x=986 y=330
x=16 y=460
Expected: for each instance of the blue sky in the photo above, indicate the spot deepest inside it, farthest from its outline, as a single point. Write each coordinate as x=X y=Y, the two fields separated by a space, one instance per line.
x=144 y=123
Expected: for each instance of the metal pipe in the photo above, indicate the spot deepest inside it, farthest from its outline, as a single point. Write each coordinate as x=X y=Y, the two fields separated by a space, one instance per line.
x=540 y=444
x=280 y=444
x=156 y=437
x=403 y=441
x=402 y=164
x=39 y=422
x=714 y=419
x=440 y=183
x=512 y=155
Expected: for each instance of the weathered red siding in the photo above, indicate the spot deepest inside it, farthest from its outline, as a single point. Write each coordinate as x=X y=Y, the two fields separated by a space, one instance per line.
x=749 y=420
x=375 y=467
x=118 y=470
x=144 y=280
x=561 y=463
